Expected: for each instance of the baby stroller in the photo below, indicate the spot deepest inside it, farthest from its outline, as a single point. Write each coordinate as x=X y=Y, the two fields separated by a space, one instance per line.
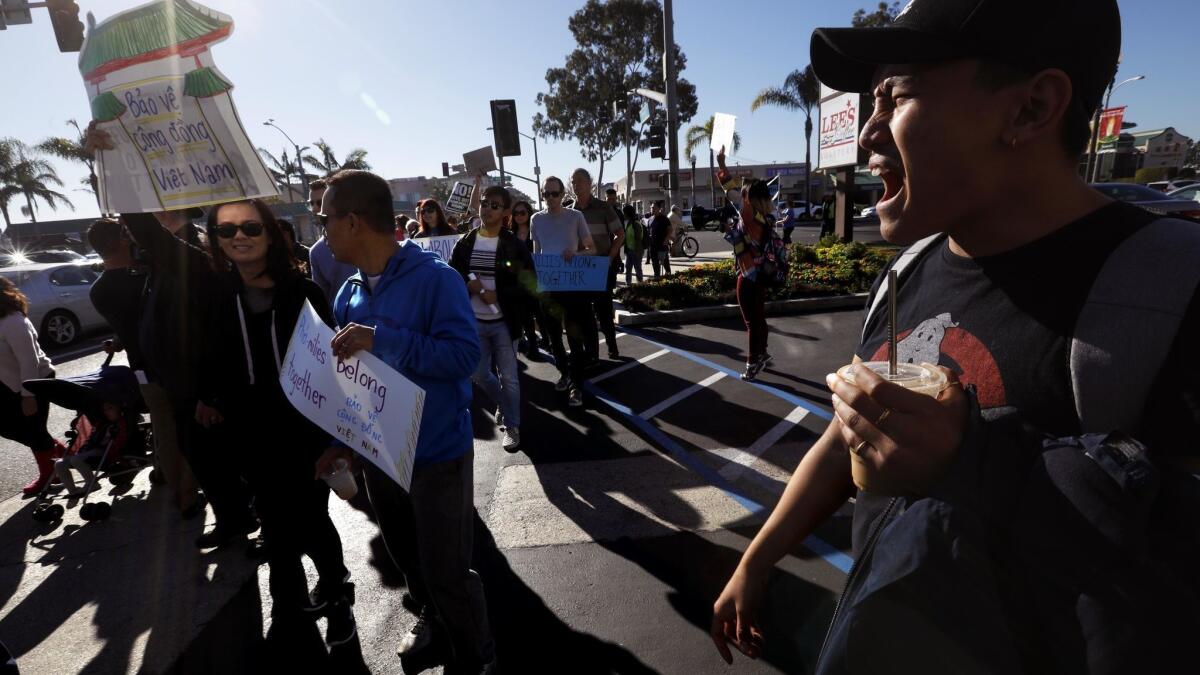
x=108 y=406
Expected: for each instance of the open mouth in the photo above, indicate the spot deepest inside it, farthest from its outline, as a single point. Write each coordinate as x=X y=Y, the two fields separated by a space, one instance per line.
x=893 y=183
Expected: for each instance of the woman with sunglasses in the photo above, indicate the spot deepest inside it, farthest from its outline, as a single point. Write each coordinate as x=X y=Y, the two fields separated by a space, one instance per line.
x=261 y=297
x=518 y=224
x=431 y=220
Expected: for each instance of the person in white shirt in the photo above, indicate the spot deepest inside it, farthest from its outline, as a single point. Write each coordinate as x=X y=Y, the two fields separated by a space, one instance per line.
x=22 y=415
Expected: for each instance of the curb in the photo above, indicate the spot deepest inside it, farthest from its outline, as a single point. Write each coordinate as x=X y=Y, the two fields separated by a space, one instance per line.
x=774 y=308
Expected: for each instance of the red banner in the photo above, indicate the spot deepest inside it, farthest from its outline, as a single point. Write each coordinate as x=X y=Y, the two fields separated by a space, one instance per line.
x=1110 y=128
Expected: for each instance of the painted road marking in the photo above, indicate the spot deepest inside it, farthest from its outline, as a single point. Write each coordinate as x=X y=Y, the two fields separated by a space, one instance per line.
x=742 y=459
x=790 y=398
x=703 y=384
x=632 y=364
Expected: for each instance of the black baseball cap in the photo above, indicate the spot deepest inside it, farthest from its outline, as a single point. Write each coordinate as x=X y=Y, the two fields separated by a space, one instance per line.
x=1080 y=37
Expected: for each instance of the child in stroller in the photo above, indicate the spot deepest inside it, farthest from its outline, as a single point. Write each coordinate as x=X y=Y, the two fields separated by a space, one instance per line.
x=106 y=431
x=102 y=449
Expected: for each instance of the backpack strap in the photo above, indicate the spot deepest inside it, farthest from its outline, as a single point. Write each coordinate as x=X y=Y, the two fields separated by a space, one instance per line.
x=902 y=263
x=1128 y=323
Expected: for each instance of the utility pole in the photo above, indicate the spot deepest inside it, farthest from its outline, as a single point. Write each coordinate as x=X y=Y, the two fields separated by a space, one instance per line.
x=672 y=102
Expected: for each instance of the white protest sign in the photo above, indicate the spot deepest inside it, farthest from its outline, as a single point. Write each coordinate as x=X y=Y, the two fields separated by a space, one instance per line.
x=153 y=87
x=443 y=246
x=722 y=133
x=361 y=401
x=480 y=161
x=460 y=197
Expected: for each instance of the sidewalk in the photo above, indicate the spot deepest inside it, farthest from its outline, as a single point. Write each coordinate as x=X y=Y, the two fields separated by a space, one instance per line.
x=116 y=596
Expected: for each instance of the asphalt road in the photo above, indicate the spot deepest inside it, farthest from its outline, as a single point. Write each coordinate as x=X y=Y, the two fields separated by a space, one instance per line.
x=603 y=543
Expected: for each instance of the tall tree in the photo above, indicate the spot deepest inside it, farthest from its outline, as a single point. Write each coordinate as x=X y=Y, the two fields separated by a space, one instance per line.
x=883 y=15
x=35 y=179
x=619 y=47
x=693 y=137
x=328 y=163
x=282 y=168
x=72 y=150
x=10 y=151
x=800 y=91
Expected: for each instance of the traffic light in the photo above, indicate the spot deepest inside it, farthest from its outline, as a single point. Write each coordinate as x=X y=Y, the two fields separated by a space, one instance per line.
x=14 y=12
x=656 y=138
x=445 y=169
x=68 y=29
x=504 y=128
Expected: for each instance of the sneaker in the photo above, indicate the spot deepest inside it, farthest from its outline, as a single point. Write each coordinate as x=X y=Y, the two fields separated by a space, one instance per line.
x=512 y=439
x=752 y=370
x=575 y=398
x=613 y=353
x=341 y=628
x=767 y=359
x=420 y=637
x=500 y=420
x=563 y=384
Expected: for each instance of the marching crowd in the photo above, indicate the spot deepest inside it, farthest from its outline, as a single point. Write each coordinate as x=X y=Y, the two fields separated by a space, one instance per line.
x=205 y=314
x=1035 y=516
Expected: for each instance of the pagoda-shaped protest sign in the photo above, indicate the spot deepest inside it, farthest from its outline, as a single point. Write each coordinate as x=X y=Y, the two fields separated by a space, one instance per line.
x=178 y=141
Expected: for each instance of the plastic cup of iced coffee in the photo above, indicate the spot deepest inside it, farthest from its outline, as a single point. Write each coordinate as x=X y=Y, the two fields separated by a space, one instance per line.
x=922 y=378
x=341 y=480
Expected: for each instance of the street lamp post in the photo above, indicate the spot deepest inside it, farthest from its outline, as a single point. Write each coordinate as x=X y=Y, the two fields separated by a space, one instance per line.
x=299 y=164
x=537 y=168
x=1094 y=164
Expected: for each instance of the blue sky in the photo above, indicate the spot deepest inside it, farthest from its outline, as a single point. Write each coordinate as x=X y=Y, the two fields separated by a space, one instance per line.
x=410 y=80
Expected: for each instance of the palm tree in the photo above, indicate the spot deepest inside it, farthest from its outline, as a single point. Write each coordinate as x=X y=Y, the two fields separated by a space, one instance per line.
x=71 y=149
x=33 y=177
x=694 y=136
x=328 y=162
x=282 y=169
x=800 y=91
x=10 y=150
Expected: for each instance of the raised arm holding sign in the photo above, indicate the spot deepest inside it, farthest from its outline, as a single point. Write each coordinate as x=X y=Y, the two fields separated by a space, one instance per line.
x=177 y=141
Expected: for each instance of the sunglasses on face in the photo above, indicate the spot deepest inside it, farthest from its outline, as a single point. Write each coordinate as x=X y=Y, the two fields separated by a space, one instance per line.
x=552 y=194
x=429 y=209
x=495 y=206
x=249 y=228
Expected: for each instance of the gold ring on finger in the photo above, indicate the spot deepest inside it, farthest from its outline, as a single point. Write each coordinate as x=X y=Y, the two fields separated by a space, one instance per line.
x=860 y=448
x=882 y=418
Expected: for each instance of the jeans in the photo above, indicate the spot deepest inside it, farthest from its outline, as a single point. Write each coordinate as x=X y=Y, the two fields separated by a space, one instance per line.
x=751 y=297
x=429 y=533
x=633 y=263
x=569 y=312
x=601 y=305
x=213 y=457
x=496 y=345
x=167 y=457
x=661 y=262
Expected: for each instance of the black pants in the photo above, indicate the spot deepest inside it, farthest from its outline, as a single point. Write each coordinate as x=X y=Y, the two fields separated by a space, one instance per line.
x=15 y=426
x=216 y=465
x=826 y=229
x=751 y=297
x=294 y=510
x=660 y=260
x=429 y=533
x=602 y=306
x=570 y=313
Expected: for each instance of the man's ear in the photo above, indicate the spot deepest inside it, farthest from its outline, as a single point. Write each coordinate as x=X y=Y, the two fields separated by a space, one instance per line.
x=1043 y=104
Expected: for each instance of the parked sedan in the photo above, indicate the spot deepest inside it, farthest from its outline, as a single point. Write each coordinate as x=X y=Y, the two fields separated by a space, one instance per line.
x=1151 y=199
x=59 y=304
x=1191 y=192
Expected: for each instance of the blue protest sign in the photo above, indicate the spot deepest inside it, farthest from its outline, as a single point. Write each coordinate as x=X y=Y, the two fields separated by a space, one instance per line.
x=583 y=273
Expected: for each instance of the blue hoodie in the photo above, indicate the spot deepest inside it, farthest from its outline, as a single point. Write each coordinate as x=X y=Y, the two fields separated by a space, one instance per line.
x=425 y=329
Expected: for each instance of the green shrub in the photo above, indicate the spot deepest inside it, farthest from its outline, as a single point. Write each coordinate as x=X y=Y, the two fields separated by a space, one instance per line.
x=832 y=267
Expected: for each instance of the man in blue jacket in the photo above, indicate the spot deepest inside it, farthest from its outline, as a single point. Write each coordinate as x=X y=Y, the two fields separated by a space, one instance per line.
x=410 y=309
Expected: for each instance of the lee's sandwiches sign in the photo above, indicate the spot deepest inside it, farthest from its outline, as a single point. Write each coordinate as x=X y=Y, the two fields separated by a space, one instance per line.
x=842 y=117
